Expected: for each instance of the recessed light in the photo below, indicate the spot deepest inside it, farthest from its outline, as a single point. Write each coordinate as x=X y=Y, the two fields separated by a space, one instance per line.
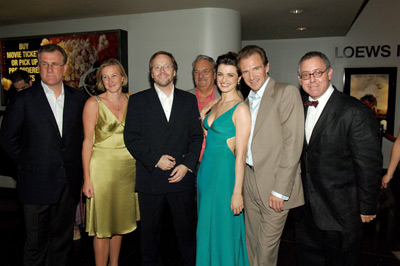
x=301 y=28
x=296 y=11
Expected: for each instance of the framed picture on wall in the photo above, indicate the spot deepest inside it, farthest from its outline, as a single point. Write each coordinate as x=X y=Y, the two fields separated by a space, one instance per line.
x=376 y=88
x=85 y=51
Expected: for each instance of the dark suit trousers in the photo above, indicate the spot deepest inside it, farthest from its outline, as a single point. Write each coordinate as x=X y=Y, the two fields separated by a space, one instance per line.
x=49 y=231
x=182 y=206
x=331 y=248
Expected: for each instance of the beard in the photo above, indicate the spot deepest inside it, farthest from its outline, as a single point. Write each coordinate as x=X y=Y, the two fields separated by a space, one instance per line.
x=163 y=82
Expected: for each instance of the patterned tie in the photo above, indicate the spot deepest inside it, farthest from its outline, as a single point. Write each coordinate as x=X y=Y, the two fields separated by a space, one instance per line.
x=311 y=103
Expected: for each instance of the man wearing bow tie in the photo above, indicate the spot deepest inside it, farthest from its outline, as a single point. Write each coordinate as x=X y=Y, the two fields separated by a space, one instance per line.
x=341 y=168
x=272 y=183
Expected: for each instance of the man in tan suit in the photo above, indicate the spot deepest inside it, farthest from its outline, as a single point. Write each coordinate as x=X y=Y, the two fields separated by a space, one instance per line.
x=272 y=183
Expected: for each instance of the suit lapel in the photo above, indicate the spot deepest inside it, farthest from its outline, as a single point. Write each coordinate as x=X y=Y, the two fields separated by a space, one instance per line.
x=69 y=106
x=43 y=107
x=265 y=105
x=326 y=117
x=176 y=106
x=156 y=107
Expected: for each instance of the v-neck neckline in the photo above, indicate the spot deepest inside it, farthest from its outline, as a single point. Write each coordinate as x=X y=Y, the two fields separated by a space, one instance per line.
x=123 y=118
x=221 y=114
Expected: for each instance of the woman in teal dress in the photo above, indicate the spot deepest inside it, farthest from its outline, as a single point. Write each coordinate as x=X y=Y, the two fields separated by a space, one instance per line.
x=108 y=167
x=220 y=228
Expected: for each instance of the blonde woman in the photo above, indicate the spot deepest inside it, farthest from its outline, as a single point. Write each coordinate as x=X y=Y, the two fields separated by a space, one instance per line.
x=109 y=169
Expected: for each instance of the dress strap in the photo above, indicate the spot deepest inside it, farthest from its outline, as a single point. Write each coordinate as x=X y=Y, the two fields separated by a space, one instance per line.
x=234 y=107
x=97 y=98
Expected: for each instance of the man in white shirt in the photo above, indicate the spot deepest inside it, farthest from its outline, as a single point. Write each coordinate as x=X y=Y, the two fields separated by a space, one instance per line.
x=272 y=183
x=341 y=169
x=42 y=132
x=163 y=132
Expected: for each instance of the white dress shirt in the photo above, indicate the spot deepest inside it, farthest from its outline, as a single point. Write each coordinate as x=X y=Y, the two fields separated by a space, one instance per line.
x=56 y=104
x=254 y=104
x=313 y=113
x=166 y=101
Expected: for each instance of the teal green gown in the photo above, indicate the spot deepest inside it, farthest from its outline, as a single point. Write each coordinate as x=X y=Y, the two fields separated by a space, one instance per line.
x=220 y=235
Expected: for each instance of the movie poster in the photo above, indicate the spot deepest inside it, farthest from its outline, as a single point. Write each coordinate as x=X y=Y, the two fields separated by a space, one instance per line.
x=85 y=51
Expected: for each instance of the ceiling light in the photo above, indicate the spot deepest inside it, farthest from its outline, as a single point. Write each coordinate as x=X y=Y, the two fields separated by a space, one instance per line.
x=296 y=11
x=301 y=28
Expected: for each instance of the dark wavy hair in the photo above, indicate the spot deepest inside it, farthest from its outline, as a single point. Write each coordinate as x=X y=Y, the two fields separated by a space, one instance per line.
x=249 y=50
x=229 y=58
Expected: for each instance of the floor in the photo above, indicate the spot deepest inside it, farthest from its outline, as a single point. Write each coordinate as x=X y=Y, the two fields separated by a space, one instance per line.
x=381 y=242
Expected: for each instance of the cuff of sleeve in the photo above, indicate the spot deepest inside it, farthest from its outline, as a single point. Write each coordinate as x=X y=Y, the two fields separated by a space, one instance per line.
x=276 y=194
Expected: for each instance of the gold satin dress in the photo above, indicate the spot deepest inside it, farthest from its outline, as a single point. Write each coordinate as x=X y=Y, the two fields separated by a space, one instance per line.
x=114 y=208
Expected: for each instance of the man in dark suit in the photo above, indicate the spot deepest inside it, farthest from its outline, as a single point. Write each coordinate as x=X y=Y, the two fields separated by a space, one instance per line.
x=42 y=132
x=163 y=132
x=341 y=169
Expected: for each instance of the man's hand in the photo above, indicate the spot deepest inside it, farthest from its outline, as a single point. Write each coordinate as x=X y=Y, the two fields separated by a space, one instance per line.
x=166 y=162
x=367 y=218
x=275 y=203
x=178 y=174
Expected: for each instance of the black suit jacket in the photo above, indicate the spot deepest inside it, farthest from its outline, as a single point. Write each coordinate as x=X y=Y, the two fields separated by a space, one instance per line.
x=342 y=164
x=148 y=135
x=30 y=136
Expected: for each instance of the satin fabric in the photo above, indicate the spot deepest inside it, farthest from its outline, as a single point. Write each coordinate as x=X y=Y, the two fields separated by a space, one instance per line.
x=114 y=208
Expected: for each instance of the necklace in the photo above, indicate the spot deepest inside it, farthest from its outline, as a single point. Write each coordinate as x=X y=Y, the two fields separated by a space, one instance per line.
x=117 y=105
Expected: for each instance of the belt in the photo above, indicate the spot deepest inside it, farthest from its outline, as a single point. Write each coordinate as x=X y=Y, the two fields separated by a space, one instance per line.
x=250 y=166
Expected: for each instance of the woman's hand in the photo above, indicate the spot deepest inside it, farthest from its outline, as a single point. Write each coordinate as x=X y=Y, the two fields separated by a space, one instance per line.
x=88 y=189
x=385 y=180
x=207 y=108
x=237 y=204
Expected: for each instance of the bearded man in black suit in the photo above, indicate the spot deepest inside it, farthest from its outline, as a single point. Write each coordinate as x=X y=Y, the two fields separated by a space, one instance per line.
x=163 y=132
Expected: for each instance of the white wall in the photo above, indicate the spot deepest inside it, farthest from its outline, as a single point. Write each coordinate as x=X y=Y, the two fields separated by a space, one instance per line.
x=378 y=24
x=184 y=33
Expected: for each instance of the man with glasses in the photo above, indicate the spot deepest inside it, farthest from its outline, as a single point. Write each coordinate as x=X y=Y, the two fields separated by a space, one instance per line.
x=206 y=90
x=42 y=132
x=163 y=132
x=341 y=169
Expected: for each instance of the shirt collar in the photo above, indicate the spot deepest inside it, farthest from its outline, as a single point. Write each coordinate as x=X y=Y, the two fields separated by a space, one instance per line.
x=48 y=91
x=260 y=92
x=161 y=93
x=325 y=97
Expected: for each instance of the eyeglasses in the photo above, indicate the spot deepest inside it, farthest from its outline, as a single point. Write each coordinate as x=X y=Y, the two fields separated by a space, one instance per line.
x=204 y=72
x=158 y=68
x=53 y=65
x=316 y=74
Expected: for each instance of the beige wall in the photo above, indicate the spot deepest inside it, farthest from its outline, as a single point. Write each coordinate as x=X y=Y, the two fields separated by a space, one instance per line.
x=378 y=24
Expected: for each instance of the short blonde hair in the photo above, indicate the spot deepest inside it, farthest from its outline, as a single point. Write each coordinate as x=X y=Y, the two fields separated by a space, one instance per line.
x=106 y=63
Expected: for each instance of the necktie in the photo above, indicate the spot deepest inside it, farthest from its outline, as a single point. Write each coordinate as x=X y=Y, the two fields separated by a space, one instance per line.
x=311 y=103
